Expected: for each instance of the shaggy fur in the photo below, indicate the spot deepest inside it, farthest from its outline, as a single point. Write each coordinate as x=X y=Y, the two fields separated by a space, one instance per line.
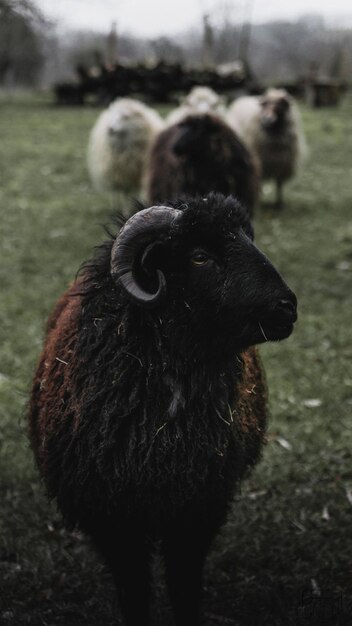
x=198 y=155
x=271 y=128
x=144 y=420
x=119 y=143
x=199 y=100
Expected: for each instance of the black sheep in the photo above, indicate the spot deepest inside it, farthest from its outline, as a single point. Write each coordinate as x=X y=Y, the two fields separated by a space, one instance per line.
x=149 y=402
x=200 y=154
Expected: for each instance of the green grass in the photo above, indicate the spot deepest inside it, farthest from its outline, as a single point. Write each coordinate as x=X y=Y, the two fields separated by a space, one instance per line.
x=276 y=544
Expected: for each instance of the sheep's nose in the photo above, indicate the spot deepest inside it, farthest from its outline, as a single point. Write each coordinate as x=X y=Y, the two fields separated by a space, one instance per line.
x=287 y=309
x=269 y=119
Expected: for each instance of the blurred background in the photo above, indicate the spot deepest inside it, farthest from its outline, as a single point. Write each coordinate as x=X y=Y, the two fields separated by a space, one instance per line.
x=45 y=43
x=284 y=558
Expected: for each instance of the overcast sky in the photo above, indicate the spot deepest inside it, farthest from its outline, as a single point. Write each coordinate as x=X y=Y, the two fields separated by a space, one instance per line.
x=156 y=17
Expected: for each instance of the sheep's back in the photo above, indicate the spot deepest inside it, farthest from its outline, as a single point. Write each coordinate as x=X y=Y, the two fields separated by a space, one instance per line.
x=163 y=176
x=52 y=379
x=243 y=117
x=224 y=165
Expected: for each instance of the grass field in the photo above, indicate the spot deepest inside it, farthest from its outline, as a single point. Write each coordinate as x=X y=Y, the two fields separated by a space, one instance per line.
x=285 y=556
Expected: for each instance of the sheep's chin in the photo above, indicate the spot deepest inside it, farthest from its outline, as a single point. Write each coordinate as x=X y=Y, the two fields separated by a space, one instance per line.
x=275 y=332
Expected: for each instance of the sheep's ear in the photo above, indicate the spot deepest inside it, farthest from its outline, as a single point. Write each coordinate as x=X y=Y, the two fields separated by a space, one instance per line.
x=133 y=248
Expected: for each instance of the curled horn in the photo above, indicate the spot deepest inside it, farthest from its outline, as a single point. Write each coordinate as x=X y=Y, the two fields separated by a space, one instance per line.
x=138 y=234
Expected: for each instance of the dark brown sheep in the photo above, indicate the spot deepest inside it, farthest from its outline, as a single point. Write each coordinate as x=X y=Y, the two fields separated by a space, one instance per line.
x=200 y=154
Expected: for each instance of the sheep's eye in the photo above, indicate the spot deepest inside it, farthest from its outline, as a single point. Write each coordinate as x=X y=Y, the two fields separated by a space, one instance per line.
x=199 y=258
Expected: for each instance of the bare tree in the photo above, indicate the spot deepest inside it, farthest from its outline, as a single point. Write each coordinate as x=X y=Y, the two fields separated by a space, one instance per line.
x=112 y=44
x=21 y=56
x=166 y=50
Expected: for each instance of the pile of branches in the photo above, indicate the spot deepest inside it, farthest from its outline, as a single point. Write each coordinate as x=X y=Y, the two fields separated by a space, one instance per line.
x=160 y=83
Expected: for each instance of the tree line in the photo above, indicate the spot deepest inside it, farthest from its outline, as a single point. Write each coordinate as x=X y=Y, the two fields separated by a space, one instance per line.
x=33 y=51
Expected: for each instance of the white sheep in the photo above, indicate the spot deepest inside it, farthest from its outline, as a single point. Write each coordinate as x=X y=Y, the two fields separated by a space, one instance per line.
x=270 y=126
x=199 y=100
x=119 y=144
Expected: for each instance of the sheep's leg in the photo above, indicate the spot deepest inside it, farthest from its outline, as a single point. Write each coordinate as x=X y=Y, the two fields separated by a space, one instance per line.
x=184 y=554
x=128 y=556
x=132 y=579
